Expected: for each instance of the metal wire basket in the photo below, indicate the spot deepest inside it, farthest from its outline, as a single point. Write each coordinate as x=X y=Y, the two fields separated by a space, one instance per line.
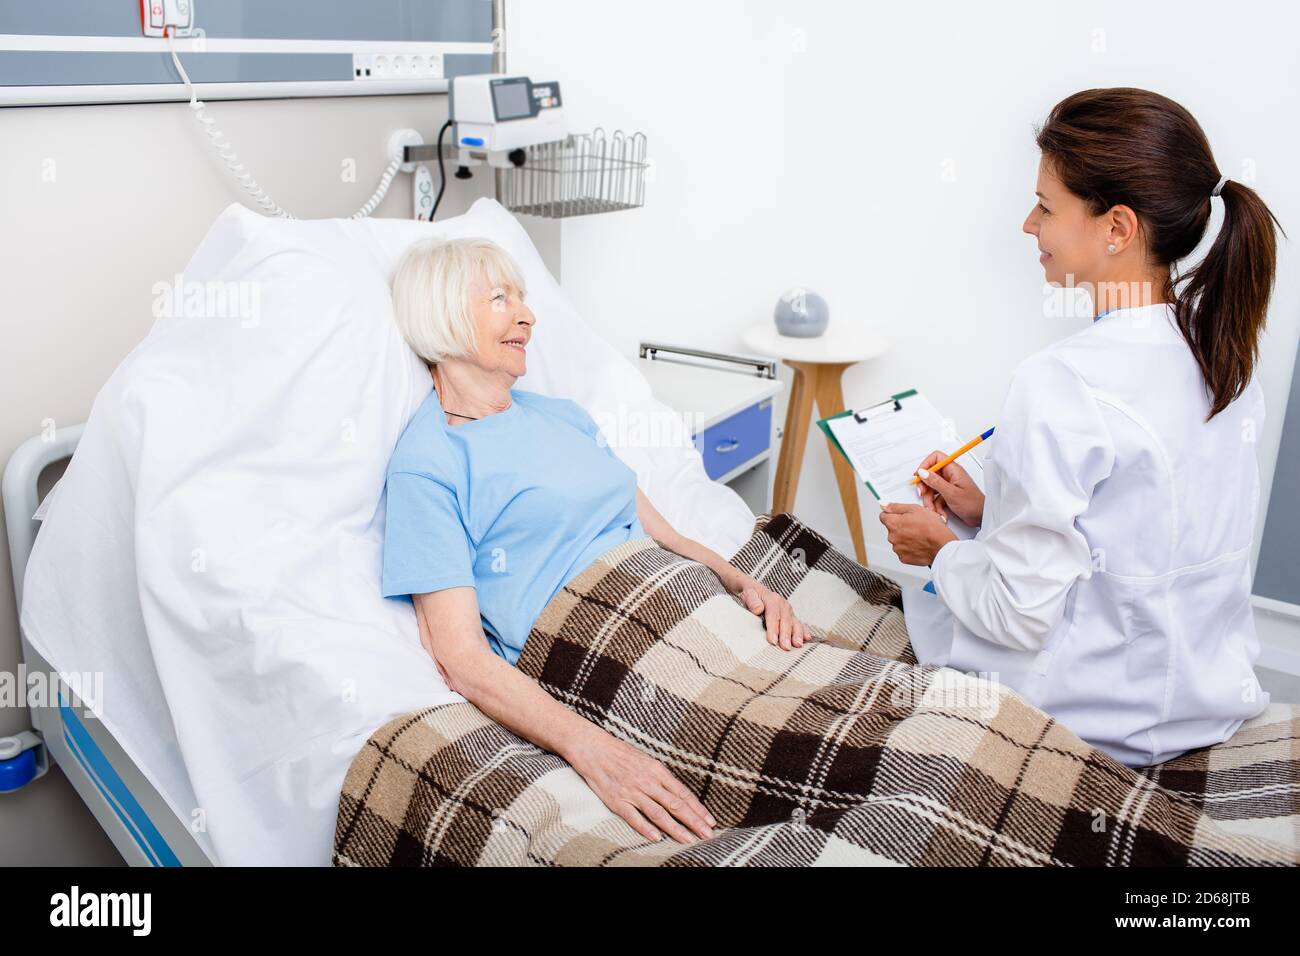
x=583 y=174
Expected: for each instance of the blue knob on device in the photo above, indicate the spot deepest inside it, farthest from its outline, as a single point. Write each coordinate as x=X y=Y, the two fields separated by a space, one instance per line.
x=17 y=771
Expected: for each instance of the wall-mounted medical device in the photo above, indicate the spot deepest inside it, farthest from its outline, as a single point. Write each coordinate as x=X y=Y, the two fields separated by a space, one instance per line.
x=498 y=114
x=516 y=126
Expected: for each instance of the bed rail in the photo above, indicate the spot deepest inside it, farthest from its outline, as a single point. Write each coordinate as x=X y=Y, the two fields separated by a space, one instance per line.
x=22 y=496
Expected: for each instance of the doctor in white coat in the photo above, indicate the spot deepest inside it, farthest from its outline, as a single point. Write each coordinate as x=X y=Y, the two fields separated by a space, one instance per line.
x=1109 y=581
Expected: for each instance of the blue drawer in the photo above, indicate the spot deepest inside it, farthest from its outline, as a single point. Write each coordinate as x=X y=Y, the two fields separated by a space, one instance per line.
x=735 y=440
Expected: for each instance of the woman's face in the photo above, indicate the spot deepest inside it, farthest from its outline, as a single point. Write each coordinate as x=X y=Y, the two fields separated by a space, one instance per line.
x=503 y=325
x=1071 y=240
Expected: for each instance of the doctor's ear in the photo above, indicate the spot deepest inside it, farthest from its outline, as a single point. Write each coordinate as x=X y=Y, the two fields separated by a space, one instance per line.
x=1119 y=227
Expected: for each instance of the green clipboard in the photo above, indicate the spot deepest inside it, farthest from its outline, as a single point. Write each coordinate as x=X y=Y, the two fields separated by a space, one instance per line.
x=830 y=435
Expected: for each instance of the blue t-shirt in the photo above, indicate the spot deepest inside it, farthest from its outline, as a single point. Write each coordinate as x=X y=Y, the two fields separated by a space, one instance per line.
x=514 y=504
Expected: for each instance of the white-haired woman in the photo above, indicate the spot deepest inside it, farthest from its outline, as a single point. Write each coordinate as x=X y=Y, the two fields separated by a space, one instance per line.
x=497 y=498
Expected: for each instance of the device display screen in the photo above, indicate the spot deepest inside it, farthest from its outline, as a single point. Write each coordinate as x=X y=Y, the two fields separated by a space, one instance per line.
x=511 y=101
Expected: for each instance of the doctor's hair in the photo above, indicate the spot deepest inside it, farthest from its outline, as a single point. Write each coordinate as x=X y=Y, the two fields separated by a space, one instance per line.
x=432 y=289
x=1135 y=148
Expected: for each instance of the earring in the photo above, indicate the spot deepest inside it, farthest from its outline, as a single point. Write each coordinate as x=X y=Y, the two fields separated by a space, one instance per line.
x=1111 y=248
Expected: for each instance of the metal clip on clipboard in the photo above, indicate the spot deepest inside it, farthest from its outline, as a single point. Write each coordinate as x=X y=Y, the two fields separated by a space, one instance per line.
x=876 y=449
x=878 y=410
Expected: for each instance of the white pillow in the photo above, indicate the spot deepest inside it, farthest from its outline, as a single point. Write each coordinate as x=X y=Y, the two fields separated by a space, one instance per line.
x=567 y=359
x=215 y=548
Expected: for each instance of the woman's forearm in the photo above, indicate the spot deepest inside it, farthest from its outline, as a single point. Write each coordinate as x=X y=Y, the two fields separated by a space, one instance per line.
x=670 y=539
x=784 y=630
x=642 y=791
x=519 y=703
x=689 y=548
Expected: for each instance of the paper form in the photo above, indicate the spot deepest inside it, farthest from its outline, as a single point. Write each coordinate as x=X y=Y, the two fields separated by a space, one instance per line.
x=886 y=449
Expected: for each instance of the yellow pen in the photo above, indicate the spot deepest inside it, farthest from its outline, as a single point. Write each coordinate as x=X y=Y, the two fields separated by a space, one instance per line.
x=939 y=466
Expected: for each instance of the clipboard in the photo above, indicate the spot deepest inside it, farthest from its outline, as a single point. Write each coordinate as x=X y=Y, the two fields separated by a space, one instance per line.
x=908 y=448
x=892 y=404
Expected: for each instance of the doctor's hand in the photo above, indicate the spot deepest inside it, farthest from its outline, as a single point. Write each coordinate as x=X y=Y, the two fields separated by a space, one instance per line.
x=953 y=487
x=916 y=533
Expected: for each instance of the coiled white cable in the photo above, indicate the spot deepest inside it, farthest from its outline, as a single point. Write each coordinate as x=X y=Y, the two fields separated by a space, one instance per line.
x=243 y=177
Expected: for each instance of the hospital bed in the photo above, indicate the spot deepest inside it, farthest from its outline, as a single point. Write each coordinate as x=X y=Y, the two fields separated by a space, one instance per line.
x=131 y=811
x=193 y=556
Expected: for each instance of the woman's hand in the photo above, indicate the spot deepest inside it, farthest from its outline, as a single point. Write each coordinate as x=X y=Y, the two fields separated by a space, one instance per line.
x=953 y=487
x=915 y=533
x=784 y=630
x=641 y=790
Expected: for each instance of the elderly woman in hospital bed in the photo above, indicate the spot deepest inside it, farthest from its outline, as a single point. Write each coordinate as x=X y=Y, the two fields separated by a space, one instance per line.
x=1109 y=582
x=496 y=498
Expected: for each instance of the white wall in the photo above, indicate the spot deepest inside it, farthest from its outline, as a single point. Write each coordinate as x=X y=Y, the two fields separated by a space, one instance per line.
x=883 y=155
x=794 y=143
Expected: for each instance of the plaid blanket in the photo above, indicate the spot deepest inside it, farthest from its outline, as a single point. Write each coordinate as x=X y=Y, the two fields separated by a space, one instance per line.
x=843 y=752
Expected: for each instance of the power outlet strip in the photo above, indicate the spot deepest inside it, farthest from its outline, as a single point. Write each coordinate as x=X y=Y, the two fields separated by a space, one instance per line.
x=397 y=66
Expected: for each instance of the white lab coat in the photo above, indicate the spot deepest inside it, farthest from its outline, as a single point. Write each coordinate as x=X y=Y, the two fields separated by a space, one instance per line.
x=1110 y=581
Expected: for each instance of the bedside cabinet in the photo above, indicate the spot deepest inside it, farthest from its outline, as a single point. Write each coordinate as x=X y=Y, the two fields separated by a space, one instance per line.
x=727 y=401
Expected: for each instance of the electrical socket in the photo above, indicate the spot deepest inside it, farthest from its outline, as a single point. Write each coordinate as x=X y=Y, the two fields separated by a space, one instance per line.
x=398 y=142
x=160 y=17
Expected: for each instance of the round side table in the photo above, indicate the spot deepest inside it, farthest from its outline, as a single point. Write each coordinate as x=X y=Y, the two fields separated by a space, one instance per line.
x=818 y=365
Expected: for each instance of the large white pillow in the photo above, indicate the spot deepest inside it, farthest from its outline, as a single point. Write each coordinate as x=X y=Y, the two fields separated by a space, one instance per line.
x=567 y=359
x=215 y=548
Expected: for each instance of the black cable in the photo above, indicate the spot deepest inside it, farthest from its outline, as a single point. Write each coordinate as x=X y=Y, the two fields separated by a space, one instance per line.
x=442 y=172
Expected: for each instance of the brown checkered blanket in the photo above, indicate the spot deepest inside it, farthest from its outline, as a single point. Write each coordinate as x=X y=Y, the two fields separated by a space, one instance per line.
x=843 y=752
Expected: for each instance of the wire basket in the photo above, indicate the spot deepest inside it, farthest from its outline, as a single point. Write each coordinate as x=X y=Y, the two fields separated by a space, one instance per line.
x=583 y=174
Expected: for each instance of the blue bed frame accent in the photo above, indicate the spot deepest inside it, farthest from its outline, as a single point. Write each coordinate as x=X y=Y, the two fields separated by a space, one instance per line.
x=114 y=790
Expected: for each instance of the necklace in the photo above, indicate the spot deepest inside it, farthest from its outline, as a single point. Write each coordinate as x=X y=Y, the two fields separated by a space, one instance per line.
x=468 y=418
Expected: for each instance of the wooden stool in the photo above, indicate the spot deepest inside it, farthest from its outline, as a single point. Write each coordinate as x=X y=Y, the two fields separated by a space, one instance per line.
x=818 y=365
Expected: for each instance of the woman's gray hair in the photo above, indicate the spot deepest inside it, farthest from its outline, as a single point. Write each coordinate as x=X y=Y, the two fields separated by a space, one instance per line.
x=432 y=288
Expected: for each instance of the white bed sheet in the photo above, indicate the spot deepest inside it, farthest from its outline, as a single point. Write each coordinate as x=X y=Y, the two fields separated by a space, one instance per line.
x=215 y=547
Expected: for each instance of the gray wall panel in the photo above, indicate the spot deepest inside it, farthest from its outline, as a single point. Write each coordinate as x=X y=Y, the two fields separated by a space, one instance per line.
x=1278 y=574
x=424 y=20
x=463 y=64
x=435 y=21
x=26 y=68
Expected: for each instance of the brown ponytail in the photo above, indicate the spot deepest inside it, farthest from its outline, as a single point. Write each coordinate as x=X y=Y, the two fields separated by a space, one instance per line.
x=1139 y=149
